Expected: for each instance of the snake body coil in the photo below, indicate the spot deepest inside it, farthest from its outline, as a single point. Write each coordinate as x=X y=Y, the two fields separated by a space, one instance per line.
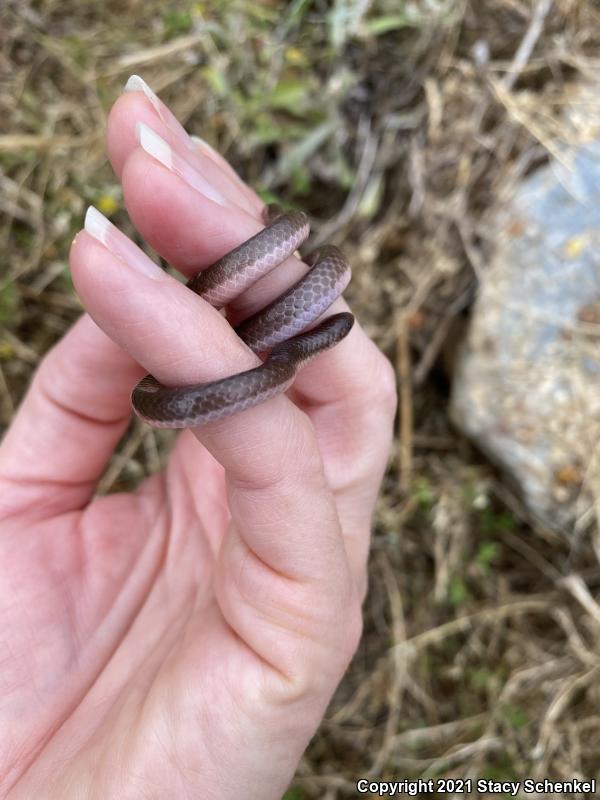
x=268 y=330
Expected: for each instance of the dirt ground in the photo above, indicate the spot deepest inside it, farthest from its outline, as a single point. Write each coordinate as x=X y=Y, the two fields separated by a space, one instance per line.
x=395 y=125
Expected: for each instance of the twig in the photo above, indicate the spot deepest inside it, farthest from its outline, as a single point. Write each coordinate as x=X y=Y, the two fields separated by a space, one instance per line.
x=399 y=669
x=578 y=589
x=15 y=142
x=439 y=337
x=525 y=49
x=161 y=51
x=7 y=405
x=461 y=624
x=120 y=460
x=406 y=404
x=365 y=167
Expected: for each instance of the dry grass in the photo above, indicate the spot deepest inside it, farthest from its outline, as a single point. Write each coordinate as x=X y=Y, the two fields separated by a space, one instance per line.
x=396 y=125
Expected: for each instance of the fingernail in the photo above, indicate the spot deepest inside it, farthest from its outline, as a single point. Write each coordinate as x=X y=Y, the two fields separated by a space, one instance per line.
x=156 y=146
x=137 y=84
x=200 y=143
x=118 y=244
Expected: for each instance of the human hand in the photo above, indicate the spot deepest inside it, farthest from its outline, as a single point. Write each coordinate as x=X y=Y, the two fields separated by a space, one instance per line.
x=183 y=639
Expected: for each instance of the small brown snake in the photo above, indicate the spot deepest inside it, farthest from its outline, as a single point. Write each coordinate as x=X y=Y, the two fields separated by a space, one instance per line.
x=277 y=328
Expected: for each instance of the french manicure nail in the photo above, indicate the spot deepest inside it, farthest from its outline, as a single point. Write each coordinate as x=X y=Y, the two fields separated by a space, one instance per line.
x=200 y=143
x=156 y=146
x=137 y=84
x=118 y=244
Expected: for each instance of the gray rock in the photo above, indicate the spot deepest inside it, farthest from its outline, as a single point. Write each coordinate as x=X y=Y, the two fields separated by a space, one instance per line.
x=527 y=385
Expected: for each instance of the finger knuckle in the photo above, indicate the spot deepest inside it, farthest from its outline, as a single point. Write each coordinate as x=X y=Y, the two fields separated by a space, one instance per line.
x=385 y=385
x=354 y=630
